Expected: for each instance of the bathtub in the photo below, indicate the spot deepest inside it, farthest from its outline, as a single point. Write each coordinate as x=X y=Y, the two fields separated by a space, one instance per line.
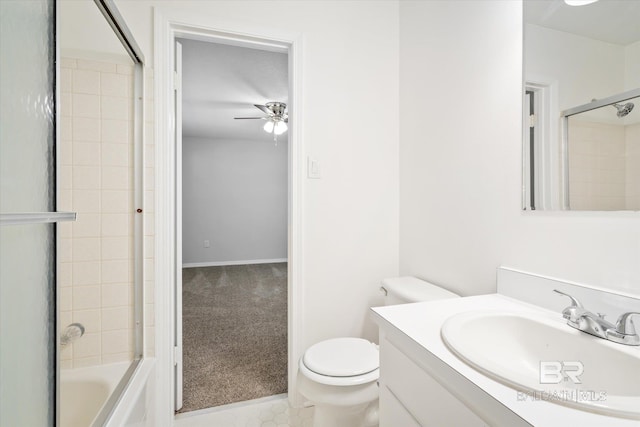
x=84 y=392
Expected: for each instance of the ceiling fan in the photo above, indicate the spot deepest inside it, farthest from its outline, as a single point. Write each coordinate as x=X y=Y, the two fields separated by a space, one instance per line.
x=276 y=117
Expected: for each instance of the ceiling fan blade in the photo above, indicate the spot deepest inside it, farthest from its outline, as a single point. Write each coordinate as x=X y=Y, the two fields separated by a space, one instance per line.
x=250 y=118
x=264 y=109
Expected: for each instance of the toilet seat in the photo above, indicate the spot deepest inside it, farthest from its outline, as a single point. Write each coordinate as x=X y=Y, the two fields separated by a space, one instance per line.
x=341 y=362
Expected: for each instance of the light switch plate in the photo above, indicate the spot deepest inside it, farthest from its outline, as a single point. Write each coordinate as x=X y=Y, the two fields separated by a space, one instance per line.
x=313 y=168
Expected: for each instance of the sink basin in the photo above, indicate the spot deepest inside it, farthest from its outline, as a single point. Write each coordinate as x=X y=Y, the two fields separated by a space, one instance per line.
x=545 y=359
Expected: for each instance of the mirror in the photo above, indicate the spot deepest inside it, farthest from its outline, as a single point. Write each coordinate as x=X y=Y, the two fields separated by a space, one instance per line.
x=581 y=135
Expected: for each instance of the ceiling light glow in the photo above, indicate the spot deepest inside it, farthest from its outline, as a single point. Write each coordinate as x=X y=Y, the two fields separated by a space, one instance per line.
x=579 y=2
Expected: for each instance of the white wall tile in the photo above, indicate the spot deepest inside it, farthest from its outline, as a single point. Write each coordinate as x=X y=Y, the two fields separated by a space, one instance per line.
x=86 y=129
x=85 y=362
x=115 y=108
x=116 y=342
x=86 y=249
x=115 y=295
x=65 y=299
x=64 y=201
x=124 y=69
x=86 y=177
x=117 y=178
x=85 y=105
x=86 y=273
x=64 y=250
x=65 y=177
x=116 y=248
x=86 y=297
x=116 y=225
x=87 y=225
x=115 y=318
x=66 y=104
x=66 y=128
x=114 y=85
x=115 y=271
x=90 y=319
x=96 y=279
x=86 y=153
x=116 y=131
x=86 y=201
x=64 y=273
x=86 y=81
x=68 y=63
x=116 y=154
x=117 y=357
x=103 y=66
x=116 y=201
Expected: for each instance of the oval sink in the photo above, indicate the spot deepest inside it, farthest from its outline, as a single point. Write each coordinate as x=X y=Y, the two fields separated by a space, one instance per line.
x=548 y=360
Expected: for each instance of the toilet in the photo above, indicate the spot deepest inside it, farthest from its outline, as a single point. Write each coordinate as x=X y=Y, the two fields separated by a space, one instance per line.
x=339 y=376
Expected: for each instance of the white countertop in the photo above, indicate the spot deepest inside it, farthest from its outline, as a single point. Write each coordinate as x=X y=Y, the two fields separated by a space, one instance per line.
x=421 y=323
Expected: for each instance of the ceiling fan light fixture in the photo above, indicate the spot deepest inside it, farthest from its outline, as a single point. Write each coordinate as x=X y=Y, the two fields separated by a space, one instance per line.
x=279 y=128
x=268 y=127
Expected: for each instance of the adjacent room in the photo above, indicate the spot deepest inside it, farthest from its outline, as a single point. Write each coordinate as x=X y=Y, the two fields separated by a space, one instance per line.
x=234 y=223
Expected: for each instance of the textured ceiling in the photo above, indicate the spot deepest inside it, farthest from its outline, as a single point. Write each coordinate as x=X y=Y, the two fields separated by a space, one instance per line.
x=613 y=21
x=221 y=82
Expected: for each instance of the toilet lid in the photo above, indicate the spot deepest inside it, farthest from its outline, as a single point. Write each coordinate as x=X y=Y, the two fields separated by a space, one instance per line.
x=342 y=357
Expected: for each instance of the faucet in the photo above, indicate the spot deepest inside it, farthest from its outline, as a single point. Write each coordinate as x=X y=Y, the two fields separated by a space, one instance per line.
x=578 y=317
x=71 y=333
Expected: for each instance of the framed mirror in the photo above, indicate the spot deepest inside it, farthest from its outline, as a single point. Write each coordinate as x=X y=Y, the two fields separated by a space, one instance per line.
x=581 y=132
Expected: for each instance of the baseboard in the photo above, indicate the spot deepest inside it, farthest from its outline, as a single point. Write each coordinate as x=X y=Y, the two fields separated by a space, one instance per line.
x=243 y=262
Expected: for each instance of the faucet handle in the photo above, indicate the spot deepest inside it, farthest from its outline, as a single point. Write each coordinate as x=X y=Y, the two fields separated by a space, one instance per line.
x=625 y=325
x=574 y=301
x=574 y=311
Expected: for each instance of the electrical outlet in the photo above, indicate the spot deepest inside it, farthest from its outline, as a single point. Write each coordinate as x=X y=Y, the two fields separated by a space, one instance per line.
x=207 y=244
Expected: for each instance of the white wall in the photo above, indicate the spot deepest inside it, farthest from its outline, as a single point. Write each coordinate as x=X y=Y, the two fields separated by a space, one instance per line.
x=350 y=124
x=460 y=176
x=235 y=196
x=582 y=67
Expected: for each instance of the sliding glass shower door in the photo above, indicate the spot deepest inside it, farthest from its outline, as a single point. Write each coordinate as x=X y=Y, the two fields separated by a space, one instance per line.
x=27 y=225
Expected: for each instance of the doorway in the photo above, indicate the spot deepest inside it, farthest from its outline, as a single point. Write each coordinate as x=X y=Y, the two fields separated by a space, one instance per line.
x=167 y=268
x=233 y=198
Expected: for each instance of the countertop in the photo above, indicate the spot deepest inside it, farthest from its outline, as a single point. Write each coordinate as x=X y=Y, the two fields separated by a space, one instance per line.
x=420 y=324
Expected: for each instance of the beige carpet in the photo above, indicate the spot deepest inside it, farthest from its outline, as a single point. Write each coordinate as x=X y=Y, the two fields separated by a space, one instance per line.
x=234 y=333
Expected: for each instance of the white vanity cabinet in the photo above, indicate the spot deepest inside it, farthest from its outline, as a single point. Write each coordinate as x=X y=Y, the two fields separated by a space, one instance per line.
x=409 y=396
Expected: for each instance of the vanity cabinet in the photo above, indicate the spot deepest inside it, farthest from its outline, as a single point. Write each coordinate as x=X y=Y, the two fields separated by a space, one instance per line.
x=410 y=397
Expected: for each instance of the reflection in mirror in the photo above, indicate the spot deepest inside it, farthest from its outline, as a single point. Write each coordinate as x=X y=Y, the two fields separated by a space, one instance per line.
x=603 y=157
x=573 y=55
x=99 y=311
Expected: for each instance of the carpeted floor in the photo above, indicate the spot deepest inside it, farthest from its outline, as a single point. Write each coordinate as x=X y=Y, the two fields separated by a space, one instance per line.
x=234 y=321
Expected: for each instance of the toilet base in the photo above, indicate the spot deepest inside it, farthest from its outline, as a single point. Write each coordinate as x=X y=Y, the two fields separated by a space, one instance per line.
x=364 y=415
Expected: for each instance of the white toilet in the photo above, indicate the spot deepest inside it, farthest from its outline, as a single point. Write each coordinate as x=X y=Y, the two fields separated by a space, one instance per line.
x=339 y=376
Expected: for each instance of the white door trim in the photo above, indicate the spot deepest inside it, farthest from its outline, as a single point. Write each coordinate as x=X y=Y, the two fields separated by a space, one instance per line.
x=168 y=26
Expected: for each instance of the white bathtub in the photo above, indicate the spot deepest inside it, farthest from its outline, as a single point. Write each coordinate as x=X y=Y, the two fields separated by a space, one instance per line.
x=84 y=391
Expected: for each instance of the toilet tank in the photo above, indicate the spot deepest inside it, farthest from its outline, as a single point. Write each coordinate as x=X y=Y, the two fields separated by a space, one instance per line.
x=407 y=289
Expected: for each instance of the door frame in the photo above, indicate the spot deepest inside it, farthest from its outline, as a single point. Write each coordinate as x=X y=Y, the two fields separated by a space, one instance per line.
x=167 y=29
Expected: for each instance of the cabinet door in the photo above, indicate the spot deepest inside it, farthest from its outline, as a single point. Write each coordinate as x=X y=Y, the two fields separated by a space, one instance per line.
x=392 y=412
x=423 y=397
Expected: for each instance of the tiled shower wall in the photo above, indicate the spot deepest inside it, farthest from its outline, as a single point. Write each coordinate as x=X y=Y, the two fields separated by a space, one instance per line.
x=95 y=259
x=632 y=140
x=597 y=166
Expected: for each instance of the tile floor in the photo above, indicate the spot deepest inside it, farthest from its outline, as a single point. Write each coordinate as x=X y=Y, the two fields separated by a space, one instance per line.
x=267 y=412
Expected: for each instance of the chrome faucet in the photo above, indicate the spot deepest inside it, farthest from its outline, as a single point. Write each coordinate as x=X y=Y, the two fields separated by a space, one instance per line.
x=578 y=317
